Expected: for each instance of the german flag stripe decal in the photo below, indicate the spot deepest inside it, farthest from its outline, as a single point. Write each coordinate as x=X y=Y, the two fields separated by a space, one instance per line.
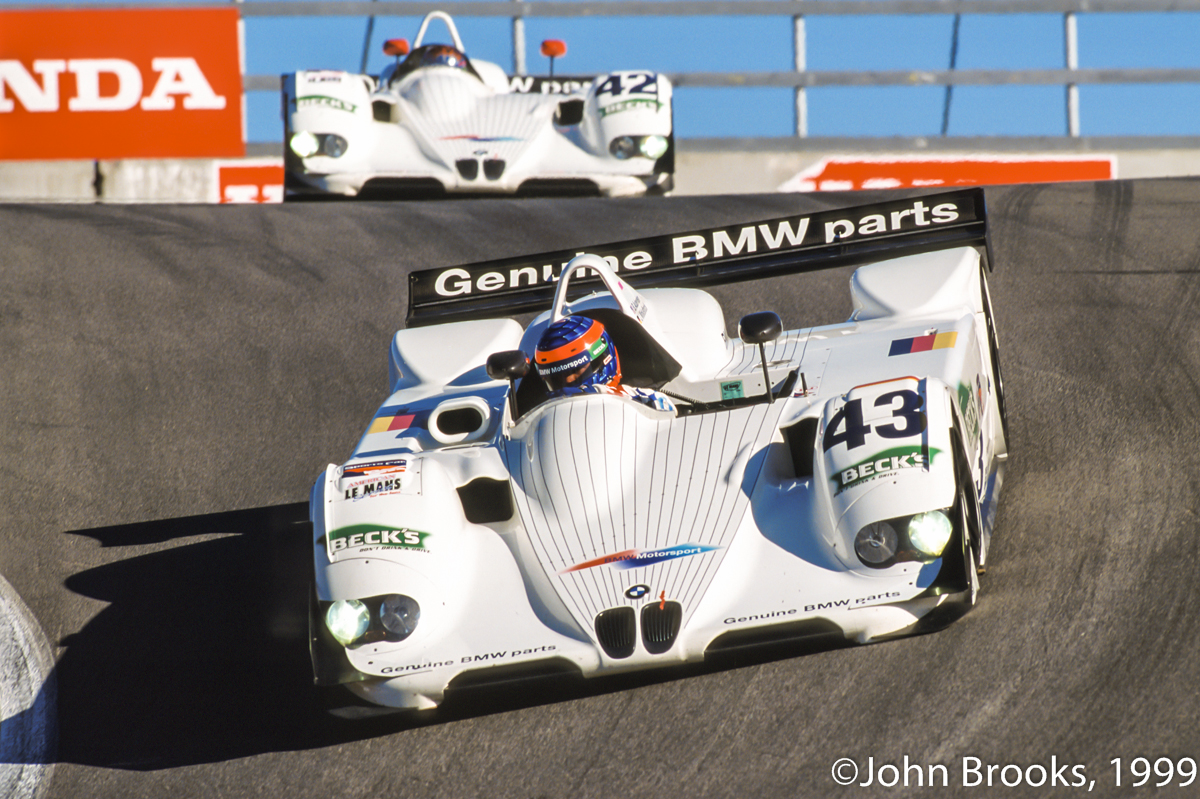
x=932 y=341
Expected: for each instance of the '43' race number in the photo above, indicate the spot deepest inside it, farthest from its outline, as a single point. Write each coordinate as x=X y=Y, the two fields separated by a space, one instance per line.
x=622 y=83
x=847 y=425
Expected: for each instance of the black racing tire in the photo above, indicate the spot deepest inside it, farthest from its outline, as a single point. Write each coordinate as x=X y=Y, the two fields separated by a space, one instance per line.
x=970 y=514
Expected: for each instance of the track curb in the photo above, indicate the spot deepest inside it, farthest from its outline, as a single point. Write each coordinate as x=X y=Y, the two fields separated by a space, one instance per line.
x=28 y=707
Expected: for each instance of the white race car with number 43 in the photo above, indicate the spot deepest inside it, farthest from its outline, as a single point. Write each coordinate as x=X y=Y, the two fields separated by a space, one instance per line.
x=834 y=482
x=438 y=122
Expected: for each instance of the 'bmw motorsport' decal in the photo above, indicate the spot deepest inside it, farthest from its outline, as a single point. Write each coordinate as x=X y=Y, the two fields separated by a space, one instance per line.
x=481 y=138
x=374 y=535
x=636 y=558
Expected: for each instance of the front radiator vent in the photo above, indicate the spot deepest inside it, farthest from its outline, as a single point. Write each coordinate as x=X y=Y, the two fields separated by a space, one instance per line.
x=468 y=168
x=660 y=625
x=493 y=168
x=616 y=630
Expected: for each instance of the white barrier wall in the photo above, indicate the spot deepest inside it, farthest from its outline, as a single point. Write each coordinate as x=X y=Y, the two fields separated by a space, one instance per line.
x=699 y=170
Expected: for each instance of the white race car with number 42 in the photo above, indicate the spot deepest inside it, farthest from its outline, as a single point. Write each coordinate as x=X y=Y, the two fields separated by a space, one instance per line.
x=437 y=122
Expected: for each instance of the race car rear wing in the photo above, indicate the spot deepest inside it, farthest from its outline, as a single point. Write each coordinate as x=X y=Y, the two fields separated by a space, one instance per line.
x=783 y=246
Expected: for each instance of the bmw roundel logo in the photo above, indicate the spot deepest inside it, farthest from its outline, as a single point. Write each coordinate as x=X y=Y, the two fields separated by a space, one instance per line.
x=637 y=591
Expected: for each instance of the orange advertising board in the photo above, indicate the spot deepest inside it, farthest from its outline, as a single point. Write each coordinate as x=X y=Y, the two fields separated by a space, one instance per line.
x=852 y=173
x=253 y=181
x=121 y=83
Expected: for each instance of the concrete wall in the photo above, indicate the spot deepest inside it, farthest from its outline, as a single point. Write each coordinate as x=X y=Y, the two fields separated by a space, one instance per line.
x=701 y=168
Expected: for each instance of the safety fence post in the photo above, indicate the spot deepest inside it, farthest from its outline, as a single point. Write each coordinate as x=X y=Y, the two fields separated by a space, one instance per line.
x=518 y=43
x=799 y=47
x=1071 y=32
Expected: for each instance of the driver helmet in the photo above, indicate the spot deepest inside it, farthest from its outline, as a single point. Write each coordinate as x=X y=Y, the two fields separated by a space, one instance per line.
x=439 y=55
x=574 y=353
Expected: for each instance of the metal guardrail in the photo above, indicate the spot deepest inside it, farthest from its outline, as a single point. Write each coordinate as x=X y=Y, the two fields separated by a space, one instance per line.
x=800 y=78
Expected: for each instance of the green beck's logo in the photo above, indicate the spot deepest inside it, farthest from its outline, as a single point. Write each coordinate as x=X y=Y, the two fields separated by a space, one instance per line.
x=374 y=535
x=886 y=462
x=630 y=105
x=326 y=101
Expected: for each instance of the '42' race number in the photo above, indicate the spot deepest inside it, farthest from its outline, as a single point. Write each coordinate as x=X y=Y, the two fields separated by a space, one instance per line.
x=628 y=83
x=847 y=425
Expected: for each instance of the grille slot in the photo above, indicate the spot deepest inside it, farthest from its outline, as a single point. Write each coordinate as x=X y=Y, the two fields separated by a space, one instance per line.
x=493 y=168
x=468 y=168
x=660 y=625
x=616 y=630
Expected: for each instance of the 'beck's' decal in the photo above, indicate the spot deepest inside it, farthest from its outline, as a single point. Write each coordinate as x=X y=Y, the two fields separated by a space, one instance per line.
x=374 y=535
x=883 y=463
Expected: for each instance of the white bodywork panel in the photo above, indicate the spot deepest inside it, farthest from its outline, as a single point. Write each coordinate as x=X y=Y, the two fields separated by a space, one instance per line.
x=732 y=514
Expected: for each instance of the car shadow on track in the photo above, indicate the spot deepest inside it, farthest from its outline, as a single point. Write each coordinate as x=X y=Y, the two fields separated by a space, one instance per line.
x=201 y=655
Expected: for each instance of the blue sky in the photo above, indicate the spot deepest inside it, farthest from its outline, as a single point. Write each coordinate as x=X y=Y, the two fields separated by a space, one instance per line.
x=276 y=45
x=673 y=44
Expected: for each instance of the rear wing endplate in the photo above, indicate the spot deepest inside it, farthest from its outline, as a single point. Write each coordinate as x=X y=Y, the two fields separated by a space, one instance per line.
x=782 y=246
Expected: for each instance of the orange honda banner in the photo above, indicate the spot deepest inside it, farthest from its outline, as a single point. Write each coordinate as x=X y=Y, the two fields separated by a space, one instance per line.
x=121 y=83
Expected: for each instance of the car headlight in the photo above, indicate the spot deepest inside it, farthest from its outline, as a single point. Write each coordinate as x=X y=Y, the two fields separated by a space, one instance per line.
x=930 y=532
x=653 y=146
x=623 y=147
x=399 y=615
x=347 y=620
x=920 y=537
x=305 y=144
x=335 y=146
x=876 y=543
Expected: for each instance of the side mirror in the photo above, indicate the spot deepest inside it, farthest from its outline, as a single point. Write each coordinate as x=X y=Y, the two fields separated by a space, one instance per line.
x=508 y=365
x=759 y=328
x=396 y=47
x=552 y=49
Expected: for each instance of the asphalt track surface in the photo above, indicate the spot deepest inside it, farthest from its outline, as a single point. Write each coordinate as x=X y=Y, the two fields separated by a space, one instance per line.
x=174 y=378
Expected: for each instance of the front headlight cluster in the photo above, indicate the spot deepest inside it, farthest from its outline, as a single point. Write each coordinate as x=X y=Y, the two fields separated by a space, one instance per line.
x=624 y=147
x=354 y=622
x=306 y=144
x=921 y=537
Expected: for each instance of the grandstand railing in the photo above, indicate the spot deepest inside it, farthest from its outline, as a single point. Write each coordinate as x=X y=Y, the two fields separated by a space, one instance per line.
x=800 y=78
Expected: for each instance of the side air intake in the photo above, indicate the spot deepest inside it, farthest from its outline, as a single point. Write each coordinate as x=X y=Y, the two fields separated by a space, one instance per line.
x=616 y=629
x=660 y=625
